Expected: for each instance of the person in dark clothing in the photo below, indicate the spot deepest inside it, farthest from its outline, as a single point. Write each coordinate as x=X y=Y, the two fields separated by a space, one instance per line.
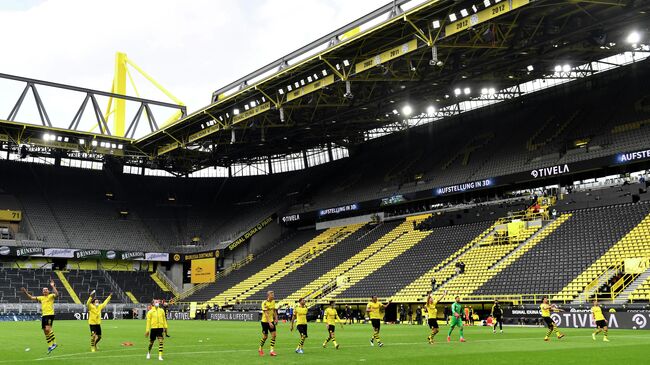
x=497 y=316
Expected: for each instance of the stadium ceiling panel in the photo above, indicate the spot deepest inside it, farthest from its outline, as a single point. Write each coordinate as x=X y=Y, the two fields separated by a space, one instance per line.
x=360 y=77
x=420 y=57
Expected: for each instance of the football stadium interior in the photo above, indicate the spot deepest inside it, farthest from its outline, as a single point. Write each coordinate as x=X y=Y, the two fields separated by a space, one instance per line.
x=481 y=149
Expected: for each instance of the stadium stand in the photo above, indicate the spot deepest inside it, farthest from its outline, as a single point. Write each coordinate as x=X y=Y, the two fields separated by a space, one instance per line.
x=405 y=240
x=139 y=284
x=306 y=274
x=635 y=244
x=34 y=280
x=276 y=251
x=85 y=281
x=287 y=264
x=436 y=246
x=567 y=251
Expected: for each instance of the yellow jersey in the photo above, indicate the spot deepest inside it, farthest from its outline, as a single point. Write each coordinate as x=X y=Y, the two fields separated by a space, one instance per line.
x=268 y=306
x=301 y=315
x=95 y=311
x=375 y=310
x=598 y=313
x=432 y=310
x=47 y=304
x=331 y=315
x=156 y=318
x=546 y=310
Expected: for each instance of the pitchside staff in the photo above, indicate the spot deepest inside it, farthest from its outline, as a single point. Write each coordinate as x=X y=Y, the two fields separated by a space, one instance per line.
x=47 y=312
x=497 y=316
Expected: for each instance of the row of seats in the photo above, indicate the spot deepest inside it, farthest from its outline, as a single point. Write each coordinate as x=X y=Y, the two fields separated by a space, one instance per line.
x=82 y=282
x=300 y=256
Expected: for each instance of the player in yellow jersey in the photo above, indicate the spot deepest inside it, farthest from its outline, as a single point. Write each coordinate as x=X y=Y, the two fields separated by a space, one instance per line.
x=95 y=318
x=47 y=313
x=546 y=309
x=432 y=314
x=601 y=322
x=269 y=322
x=331 y=317
x=300 y=318
x=375 y=311
x=156 y=327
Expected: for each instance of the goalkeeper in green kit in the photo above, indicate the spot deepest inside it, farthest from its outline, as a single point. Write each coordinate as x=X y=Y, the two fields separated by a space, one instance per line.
x=456 y=320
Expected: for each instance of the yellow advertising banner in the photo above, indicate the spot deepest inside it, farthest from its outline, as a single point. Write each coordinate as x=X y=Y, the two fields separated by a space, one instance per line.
x=168 y=148
x=483 y=16
x=251 y=112
x=386 y=56
x=310 y=88
x=204 y=132
x=637 y=265
x=515 y=228
x=203 y=271
x=11 y=215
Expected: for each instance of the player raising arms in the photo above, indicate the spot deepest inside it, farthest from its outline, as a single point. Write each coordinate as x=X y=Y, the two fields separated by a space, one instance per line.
x=331 y=318
x=300 y=317
x=601 y=322
x=375 y=311
x=432 y=313
x=269 y=322
x=497 y=316
x=456 y=319
x=156 y=327
x=95 y=318
x=546 y=309
x=47 y=313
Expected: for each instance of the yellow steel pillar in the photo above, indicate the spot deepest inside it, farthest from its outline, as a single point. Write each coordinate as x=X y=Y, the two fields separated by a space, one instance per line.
x=119 y=87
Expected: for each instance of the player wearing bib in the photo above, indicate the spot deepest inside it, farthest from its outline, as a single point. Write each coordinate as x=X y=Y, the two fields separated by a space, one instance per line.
x=47 y=313
x=331 y=318
x=269 y=322
x=432 y=314
x=456 y=319
x=95 y=319
x=546 y=309
x=300 y=317
x=375 y=311
x=601 y=322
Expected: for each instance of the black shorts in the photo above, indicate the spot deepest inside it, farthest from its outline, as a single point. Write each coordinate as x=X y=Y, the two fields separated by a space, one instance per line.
x=155 y=333
x=549 y=322
x=331 y=328
x=266 y=328
x=376 y=323
x=498 y=319
x=96 y=328
x=433 y=323
x=302 y=329
x=602 y=323
x=47 y=321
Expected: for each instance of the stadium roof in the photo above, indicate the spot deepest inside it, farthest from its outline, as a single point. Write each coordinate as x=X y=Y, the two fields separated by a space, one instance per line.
x=422 y=55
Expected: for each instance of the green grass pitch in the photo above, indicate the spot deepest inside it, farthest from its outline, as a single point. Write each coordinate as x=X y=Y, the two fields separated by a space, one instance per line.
x=235 y=343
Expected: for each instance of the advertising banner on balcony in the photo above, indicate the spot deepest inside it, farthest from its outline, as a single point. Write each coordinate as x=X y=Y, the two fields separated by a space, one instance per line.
x=203 y=271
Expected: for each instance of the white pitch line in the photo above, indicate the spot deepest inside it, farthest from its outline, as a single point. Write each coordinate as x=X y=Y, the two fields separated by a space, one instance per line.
x=56 y=357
